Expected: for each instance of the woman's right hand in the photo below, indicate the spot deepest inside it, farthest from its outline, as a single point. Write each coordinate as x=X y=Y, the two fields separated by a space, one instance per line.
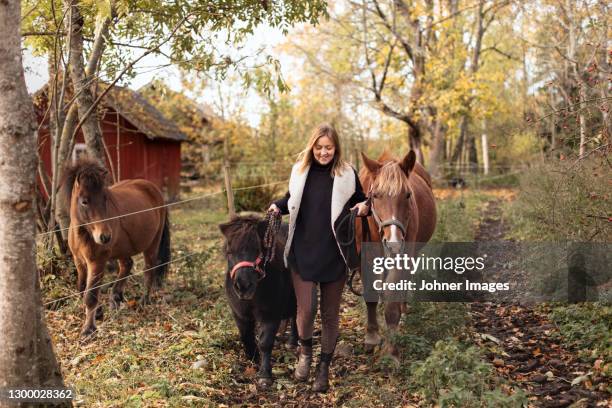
x=273 y=208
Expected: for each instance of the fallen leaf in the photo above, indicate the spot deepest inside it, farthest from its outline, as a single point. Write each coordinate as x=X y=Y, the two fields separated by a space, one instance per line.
x=581 y=378
x=498 y=362
x=489 y=337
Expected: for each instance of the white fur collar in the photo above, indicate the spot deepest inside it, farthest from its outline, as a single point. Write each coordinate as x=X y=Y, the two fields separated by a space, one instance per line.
x=343 y=189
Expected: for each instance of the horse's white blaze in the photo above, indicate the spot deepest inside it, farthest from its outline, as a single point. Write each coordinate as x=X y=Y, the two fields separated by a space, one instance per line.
x=96 y=237
x=394 y=232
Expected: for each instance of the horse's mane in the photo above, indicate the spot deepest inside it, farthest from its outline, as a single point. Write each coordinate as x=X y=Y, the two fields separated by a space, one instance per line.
x=241 y=231
x=91 y=175
x=390 y=179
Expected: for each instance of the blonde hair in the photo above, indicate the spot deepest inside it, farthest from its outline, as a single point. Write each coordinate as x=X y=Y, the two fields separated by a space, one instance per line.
x=306 y=157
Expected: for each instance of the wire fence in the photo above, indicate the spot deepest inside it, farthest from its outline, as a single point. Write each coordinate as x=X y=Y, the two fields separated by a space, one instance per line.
x=200 y=197
x=181 y=258
x=211 y=194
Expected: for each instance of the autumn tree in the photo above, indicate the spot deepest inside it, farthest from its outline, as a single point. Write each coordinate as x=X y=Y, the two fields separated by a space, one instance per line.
x=571 y=54
x=89 y=41
x=26 y=356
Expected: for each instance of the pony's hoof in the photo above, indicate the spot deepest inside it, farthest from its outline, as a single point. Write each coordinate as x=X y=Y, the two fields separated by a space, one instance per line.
x=371 y=341
x=115 y=301
x=390 y=353
x=264 y=383
x=99 y=313
x=394 y=360
x=88 y=333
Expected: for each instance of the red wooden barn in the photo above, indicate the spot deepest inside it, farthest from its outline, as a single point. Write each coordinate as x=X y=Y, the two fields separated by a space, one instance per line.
x=140 y=141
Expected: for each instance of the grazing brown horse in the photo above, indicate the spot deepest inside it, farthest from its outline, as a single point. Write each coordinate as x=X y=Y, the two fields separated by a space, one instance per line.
x=404 y=211
x=98 y=232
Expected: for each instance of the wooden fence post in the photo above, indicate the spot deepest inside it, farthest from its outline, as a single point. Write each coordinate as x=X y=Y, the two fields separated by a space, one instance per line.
x=228 y=182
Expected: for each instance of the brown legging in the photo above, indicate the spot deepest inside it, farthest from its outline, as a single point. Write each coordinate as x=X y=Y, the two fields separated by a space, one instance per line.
x=331 y=295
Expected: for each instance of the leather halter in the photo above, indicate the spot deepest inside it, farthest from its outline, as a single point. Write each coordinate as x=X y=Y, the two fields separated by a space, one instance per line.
x=382 y=224
x=247 y=264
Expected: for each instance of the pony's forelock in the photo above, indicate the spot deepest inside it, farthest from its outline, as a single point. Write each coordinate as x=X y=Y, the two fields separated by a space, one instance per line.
x=90 y=174
x=241 y=231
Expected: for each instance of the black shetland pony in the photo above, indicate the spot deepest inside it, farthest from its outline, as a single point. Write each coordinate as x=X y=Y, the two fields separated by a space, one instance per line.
x=258 y=296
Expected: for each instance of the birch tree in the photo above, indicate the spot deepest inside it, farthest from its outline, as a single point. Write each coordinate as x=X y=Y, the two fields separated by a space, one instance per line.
x=26 y=353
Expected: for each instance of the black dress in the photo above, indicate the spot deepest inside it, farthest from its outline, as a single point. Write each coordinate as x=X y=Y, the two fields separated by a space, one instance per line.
x=314 y=250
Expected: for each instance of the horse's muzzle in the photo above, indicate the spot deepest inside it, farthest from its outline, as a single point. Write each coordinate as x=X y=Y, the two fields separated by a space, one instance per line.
x=244 y=291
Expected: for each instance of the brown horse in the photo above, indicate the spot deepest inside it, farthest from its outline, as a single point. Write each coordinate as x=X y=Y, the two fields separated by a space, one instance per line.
x=404 y=211
x=99 y=231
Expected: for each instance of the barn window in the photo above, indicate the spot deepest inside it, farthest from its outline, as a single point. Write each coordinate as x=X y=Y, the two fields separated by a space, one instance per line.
x=80 y=151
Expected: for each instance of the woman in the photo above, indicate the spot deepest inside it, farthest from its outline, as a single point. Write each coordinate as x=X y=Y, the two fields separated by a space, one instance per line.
x=322 y=188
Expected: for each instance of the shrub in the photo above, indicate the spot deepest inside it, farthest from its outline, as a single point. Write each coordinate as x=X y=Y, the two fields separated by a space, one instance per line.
x=561 y=201
x=456 y=376
x=191 y=268
x=253 y=199
x=586 y=327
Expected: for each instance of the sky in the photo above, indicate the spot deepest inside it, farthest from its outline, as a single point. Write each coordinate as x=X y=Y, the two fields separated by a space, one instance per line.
x=265 y=37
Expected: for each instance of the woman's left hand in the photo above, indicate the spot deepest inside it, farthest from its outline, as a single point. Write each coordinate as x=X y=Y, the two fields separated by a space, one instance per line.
x=362 y=209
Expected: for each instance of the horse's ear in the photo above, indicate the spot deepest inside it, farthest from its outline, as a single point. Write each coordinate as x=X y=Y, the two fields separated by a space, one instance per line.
x=408 y=162
x=372 y=165
x=227 y=228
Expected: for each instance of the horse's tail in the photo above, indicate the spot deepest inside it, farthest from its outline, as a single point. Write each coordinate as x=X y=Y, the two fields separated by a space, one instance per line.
x=163 y=254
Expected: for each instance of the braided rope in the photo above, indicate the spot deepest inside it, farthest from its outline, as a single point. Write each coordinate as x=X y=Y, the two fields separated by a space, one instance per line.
x=273 y=224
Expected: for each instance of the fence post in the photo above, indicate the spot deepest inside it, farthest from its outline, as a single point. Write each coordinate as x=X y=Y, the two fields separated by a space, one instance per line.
x=226 y=175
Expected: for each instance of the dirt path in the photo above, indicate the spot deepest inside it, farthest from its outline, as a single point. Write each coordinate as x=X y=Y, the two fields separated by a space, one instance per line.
x=523 y=343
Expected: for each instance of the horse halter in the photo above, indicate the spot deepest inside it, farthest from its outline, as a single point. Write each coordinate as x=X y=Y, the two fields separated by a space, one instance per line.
x=386 y=223
x=247 y=264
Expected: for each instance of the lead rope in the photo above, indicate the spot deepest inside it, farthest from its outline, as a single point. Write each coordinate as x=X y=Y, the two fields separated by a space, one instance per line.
x=350 y=217
x=273 y=224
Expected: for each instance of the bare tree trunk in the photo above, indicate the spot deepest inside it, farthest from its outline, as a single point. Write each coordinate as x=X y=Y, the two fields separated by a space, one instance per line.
x=81 y=84
x=456 y=158
x=436 y=155
x=415 y=144
x=582 y=119
x=60 y=208
x=485 y=149
x=472 y=153
x=26 y=353
x=465 y=138
x=571 y=51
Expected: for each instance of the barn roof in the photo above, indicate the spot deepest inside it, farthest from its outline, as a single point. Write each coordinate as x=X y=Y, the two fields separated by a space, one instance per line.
x=137 y=110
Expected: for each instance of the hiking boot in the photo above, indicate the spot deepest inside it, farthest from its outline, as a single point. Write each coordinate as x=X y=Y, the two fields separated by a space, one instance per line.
x=302 y=369
x=321 y=382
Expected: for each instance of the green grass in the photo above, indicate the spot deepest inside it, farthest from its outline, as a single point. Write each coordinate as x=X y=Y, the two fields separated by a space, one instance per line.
x=458 y=217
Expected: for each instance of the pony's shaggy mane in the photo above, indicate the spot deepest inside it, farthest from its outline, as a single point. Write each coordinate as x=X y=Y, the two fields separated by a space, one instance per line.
x=241 y=230
x=91 y=175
